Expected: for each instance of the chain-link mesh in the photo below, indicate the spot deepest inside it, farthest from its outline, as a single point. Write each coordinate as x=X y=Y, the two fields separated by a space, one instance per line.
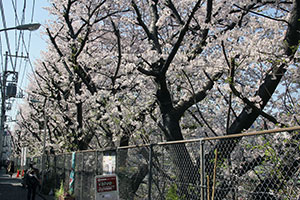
x=88 y=165
x=251 y=167
x=258 y=168
x=176 y=171
x=132 y=171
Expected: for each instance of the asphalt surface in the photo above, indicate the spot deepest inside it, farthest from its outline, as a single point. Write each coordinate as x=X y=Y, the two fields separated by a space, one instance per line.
x=11 y=188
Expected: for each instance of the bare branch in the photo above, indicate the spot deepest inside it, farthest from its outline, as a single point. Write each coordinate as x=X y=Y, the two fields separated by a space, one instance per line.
x=118 y=36
x=198 y=109
x=170 y=5
x=140 y=21
x=262 y=15
x=292 y=37
x=180 y=38
x=67 y=18
x=198 y=96
x=53 y=41
x=209 y=7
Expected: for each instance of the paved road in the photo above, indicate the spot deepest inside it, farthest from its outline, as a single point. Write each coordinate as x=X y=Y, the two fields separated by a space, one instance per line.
x=11 y=188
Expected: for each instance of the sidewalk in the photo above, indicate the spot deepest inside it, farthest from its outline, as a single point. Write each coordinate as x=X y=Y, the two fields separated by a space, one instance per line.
x=11 y=188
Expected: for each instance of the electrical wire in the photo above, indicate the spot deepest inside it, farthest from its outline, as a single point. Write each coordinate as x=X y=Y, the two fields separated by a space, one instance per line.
x=29 y=41
x=6 y=34
x=22 y=35
x=22 y=44
x=31 y=20
x=18 y=34
x=1 y=53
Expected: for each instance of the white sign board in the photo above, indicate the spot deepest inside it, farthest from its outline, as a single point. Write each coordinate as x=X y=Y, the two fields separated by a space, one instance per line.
x=109 y=162
x=106 y=187
x=23 y=156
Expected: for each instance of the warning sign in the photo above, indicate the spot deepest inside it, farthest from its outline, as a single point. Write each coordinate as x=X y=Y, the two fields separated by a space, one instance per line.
x=106 y=184
x=106 y=187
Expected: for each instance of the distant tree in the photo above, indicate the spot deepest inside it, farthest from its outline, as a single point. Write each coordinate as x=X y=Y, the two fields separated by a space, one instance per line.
x=78 y=77
x=80 y=85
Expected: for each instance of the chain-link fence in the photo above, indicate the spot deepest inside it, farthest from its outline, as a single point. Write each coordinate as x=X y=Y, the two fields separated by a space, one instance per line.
x=258 y=166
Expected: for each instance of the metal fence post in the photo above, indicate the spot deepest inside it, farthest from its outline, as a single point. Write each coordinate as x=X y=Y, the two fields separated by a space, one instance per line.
x=202 y=169
x=96 y=163
x=81 y=174
x=117 y=162
x=64 y=169
x=150 y=172
x=55 y=171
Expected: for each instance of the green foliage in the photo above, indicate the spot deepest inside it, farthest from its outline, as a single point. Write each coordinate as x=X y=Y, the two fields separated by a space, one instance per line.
x=228 y=80
x=172 y=193
x=269 y=151
x=60 y=191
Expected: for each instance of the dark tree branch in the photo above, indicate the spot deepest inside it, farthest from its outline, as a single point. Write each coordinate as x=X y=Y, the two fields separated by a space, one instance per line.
x=146 y=72
x=252 y=106
x=28 y=128
x=265 y=91
x=262 y=15
x=198 y=96
x=292 y=37
x=118 y=36
x=141 y=22
x=170 y=5
x=67 y=18
x=52 y=39
x=153 y=27
x=209 y=7
x=83 y=42
x=180 y=38
x=196 y=103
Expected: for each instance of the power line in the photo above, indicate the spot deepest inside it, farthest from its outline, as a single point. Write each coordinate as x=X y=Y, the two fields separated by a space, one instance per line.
x=4 y=25
x=25 y=46
x=22 y=42
x=31 y=20
x=29 y=41
x=1 y=53
x=18 y=34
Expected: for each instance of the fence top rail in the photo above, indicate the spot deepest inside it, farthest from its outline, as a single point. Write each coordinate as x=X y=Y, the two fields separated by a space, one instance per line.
x=279 y=130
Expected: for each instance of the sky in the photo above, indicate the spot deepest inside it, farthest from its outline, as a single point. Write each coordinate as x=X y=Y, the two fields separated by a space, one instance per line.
x=16 y=12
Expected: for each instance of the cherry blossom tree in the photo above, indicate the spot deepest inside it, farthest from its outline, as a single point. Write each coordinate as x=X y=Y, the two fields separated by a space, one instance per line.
x=77 y=80
x=126 y=72
x=80 y=86
x=236 y=55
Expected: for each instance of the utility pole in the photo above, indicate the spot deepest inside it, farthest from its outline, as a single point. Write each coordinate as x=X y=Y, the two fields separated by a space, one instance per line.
x=3 y=108
x=4 y=96
x=5 y=73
